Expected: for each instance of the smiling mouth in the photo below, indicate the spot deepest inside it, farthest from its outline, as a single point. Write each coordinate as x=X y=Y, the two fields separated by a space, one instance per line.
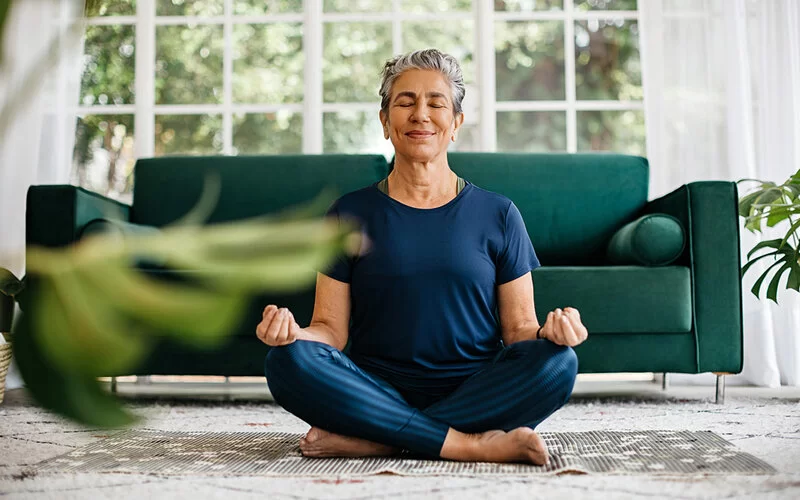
x=420 y=135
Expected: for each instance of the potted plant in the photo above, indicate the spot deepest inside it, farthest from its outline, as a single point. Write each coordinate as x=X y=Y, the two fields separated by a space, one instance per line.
x=10 y=286
x=775 y=204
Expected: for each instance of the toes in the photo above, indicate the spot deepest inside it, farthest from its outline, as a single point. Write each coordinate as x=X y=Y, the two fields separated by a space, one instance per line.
x=315 y=433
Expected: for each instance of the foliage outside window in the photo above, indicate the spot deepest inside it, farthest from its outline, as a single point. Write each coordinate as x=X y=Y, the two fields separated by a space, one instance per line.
x=567 y=78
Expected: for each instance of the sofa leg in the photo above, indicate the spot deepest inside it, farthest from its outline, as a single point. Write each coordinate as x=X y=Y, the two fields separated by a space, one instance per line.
x=720 y=399
x=664 y=382
x=113 y=385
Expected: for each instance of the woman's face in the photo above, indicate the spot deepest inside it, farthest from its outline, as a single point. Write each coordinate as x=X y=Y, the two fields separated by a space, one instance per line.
x=420 y=123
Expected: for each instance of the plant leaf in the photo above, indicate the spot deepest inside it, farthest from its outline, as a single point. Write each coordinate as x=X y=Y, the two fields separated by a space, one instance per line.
x=750 y=263
x=80 y=333
x=769 y=195
x=194 y=316
x=9 y=284
x=212 y=187
x=757 y=285
x=794 y=227
x=793 y=281
x=274 y=273
x=5 y=7
x=772 y=290
x=776 y=243
x=776 y=216
x=67 y=393
x=747 y=202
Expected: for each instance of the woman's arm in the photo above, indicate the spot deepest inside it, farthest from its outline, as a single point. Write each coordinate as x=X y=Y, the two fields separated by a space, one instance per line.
x=517 y=310
x=518 y=316
x=330 y=323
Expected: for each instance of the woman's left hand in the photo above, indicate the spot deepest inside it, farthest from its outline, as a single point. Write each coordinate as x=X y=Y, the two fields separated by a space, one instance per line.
x=564 y=327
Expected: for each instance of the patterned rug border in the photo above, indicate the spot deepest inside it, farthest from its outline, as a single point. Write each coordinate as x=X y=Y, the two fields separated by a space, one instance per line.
x=581 y=452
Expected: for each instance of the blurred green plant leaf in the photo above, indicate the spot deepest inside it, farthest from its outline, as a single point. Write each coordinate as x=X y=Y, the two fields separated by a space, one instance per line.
x=5 y=8
x=198 y=317
x=95 y=315
x=9 y=284
x=80 y=333
x=74 y=395
x=212 y=186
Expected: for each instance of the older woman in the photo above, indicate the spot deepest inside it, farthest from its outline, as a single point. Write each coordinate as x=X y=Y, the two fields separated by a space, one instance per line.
x=447 y=358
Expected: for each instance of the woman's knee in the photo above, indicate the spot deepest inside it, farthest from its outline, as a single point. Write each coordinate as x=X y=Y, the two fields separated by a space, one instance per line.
x=554 y=359
x=294 y=360
x=565 y=364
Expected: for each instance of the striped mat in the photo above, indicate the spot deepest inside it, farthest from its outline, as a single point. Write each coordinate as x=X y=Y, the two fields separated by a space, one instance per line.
x=278 y=454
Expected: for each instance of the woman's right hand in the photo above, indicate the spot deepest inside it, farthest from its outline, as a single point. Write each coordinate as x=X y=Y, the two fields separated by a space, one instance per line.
x=277 y=326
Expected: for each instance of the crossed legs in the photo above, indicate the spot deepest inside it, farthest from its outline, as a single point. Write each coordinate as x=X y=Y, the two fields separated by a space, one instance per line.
x=490 y=417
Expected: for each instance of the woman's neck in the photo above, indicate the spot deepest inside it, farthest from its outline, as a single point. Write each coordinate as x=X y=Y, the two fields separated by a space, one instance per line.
x=422 y=185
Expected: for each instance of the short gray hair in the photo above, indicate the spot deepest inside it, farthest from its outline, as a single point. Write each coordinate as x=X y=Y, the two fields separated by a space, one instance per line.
x=431 y=59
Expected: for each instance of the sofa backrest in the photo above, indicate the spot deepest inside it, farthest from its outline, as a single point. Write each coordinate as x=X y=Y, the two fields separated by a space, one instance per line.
x=571 y=203
x=167 y=188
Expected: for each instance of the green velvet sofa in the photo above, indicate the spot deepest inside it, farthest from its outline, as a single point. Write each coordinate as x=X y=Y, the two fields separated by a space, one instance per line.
x=682 y=317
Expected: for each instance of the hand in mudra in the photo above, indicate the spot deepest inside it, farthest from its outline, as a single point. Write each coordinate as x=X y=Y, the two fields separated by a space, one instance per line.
x=564 y=327
x=277 y=326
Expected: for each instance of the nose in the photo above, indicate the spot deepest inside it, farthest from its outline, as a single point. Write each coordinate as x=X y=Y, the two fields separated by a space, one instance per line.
x=420 y=113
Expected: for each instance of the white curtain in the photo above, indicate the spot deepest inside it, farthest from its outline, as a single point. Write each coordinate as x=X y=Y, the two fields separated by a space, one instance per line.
x=37 y=145
x=722 y=102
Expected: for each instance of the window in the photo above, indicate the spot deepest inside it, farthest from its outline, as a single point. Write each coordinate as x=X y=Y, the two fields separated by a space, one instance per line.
x=164 y=77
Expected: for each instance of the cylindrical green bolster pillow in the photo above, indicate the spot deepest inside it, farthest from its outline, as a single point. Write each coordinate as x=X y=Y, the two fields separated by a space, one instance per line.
x=650 y=240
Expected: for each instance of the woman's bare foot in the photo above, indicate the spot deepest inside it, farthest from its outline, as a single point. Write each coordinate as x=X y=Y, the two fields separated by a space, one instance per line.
x=519 y=445
x=321 y=443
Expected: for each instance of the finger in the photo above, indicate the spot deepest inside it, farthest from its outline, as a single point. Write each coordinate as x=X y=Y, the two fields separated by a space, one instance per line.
x=261 y=331
x=553 y=335
x=573 y=314
x=547 y=331
x=291 y=328
x=270 y=308
x=294 y=328
x=559 y=327
x=283 y=332
x=577 y=325
x=274 y=326
x=579 y=328
x=569 y=333
x=270 y=314
x=266 y=318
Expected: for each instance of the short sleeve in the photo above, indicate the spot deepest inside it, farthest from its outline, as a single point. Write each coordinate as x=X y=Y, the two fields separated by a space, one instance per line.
x=518 y=256
x=341 y=268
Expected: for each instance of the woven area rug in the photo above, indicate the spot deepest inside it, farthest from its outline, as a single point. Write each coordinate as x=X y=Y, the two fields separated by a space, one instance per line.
x=278 y=454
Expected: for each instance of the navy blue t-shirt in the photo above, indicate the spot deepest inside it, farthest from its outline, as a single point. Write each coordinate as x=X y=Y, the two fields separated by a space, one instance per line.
x=423 y=287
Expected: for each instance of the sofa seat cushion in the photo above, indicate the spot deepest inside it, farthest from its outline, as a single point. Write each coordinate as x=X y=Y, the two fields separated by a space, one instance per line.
x=650 y=240
x=618 y=299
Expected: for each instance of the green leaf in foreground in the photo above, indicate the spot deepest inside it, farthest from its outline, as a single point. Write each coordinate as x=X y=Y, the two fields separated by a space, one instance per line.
x=79 y=334
x=9 y=284
x=90 y=314
x=76 y=396
x=192 y=315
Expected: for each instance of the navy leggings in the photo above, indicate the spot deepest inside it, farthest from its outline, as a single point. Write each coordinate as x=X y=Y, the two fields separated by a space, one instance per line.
x=524 y=384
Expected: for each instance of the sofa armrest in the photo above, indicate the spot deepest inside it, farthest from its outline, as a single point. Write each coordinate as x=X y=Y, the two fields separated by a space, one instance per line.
x=56 y=214
x=708 y=211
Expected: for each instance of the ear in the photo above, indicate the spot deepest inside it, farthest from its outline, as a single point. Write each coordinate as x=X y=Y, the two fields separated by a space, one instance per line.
x=384 y=123
x=457 y=122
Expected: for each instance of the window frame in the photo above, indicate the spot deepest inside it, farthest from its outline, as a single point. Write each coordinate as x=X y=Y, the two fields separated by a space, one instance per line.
x=483 y=113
